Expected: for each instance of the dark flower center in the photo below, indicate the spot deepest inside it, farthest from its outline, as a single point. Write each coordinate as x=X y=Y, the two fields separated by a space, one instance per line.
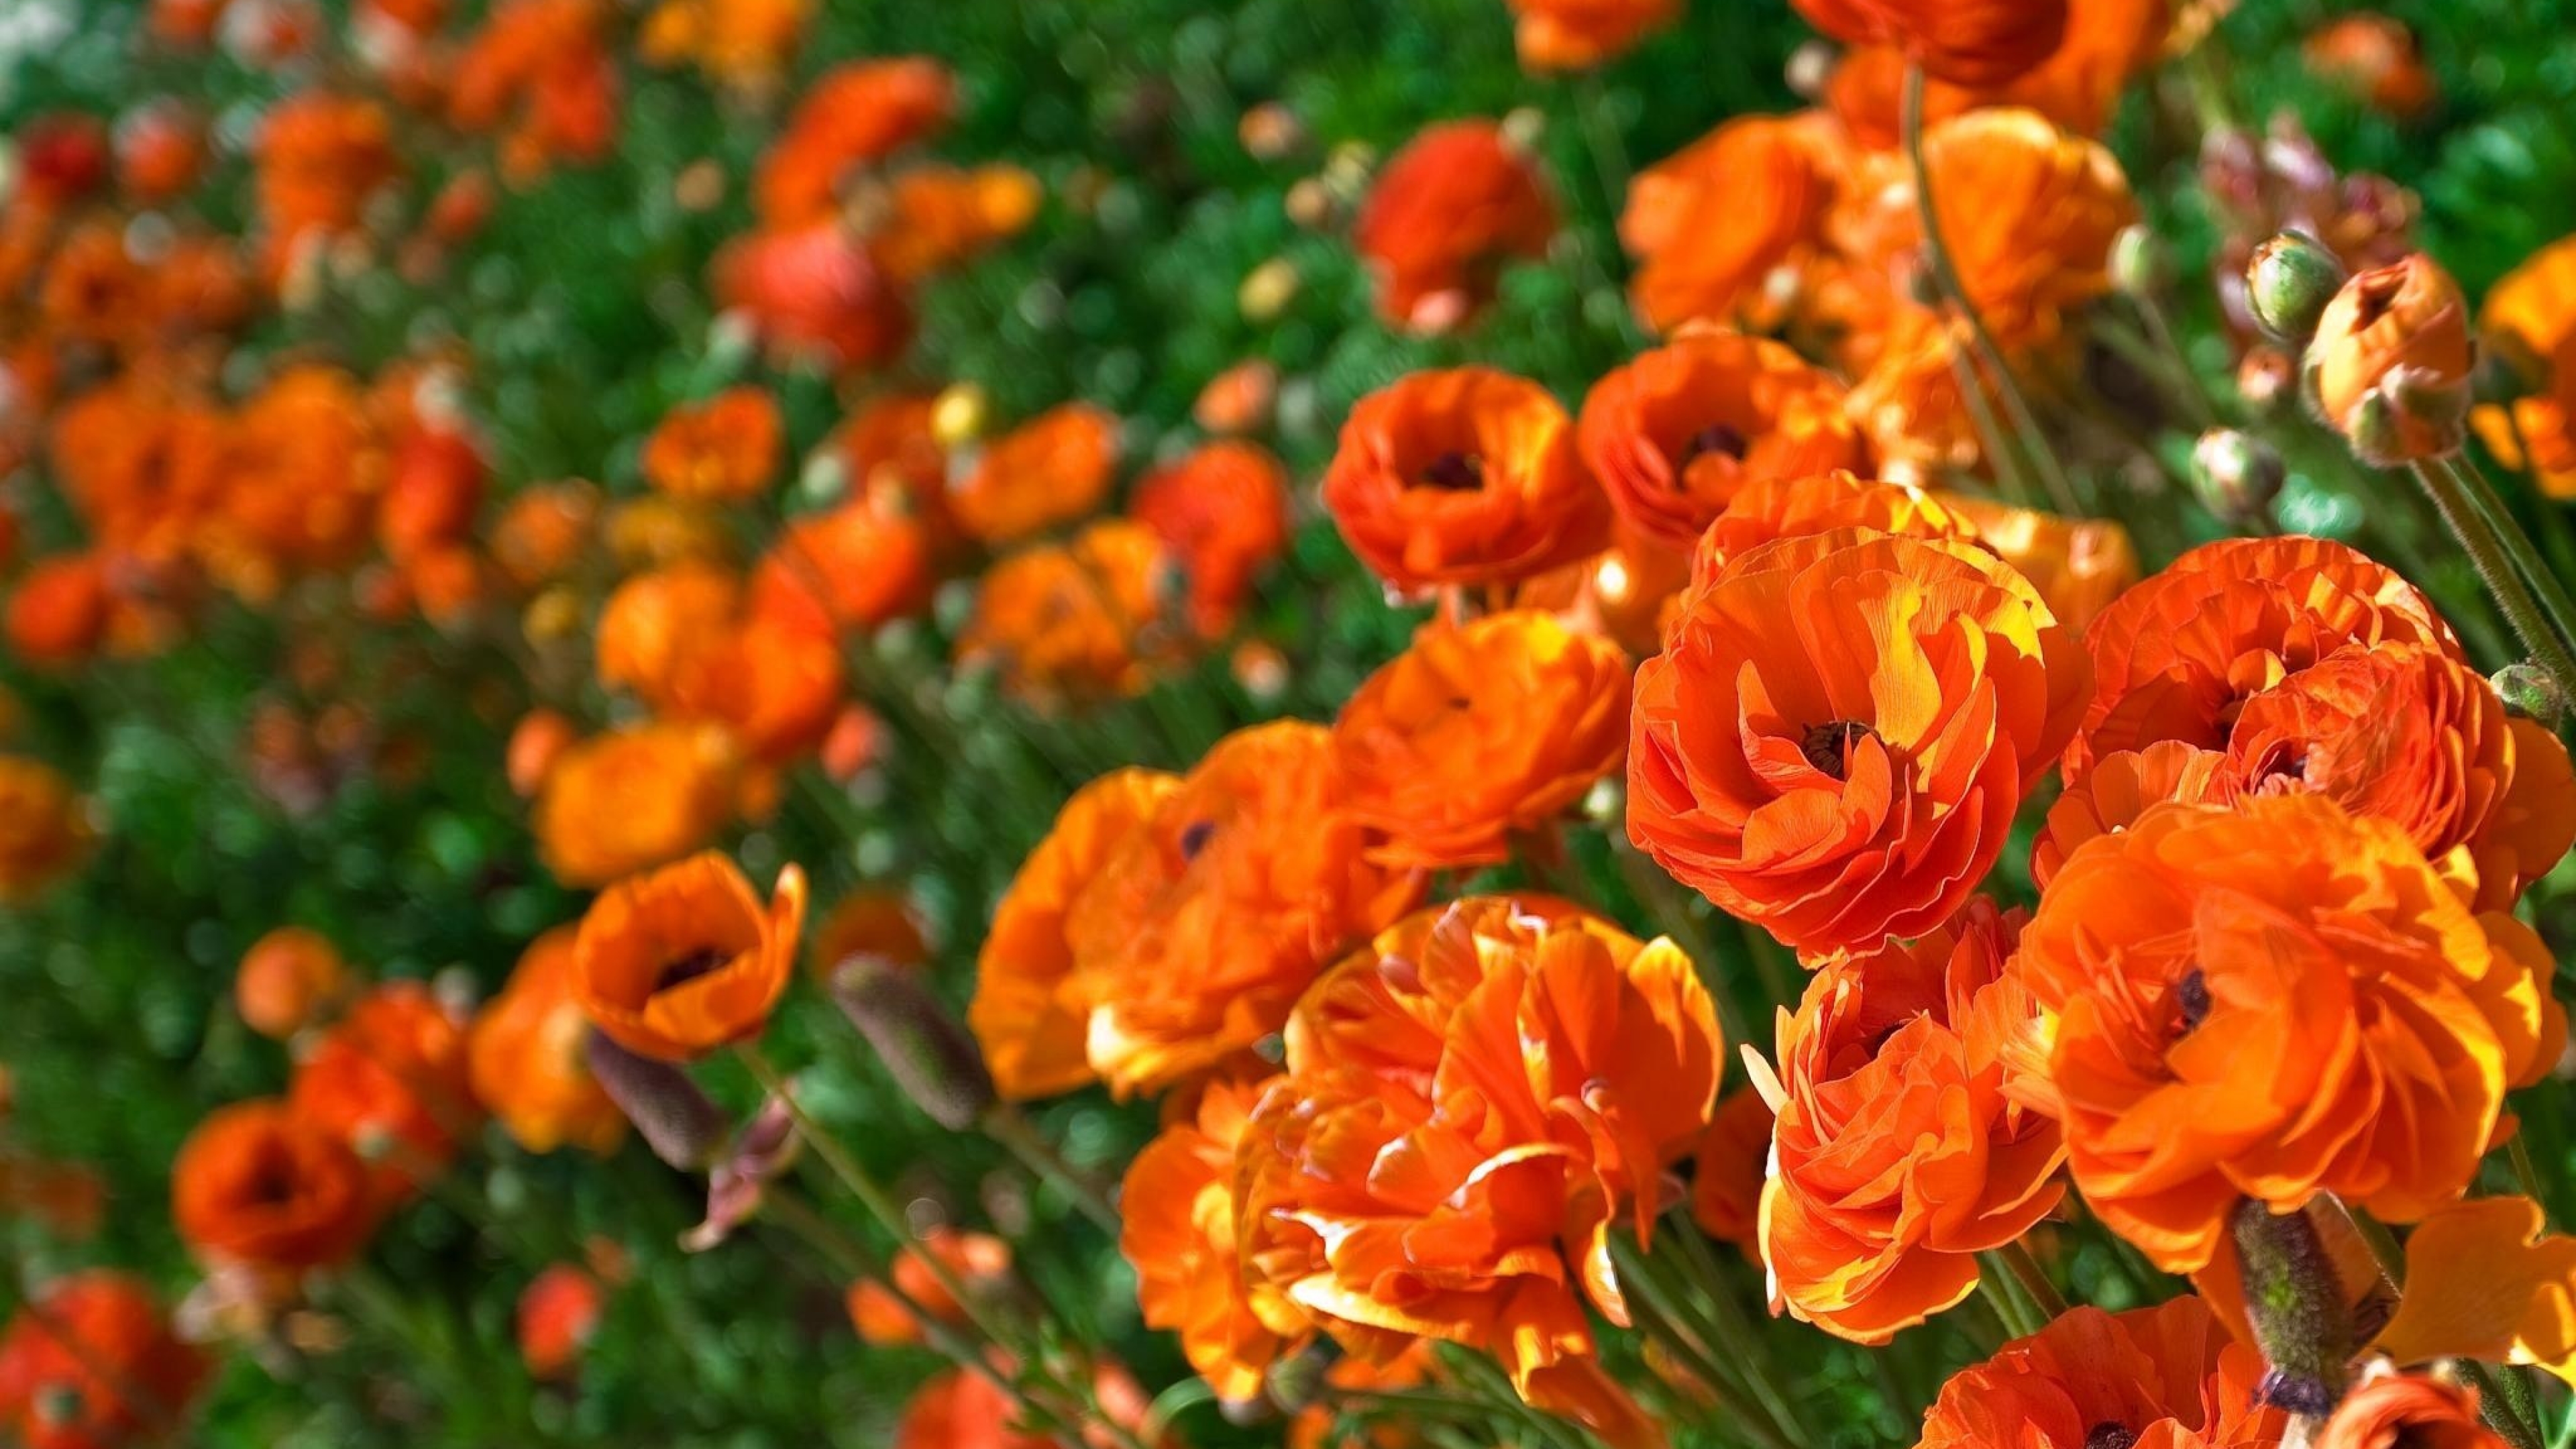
x=1195 y=837
x=1455 y=473
x=2192 y=999
x=1828 y=746
x=2109 y=1434
x=1715 y=438
x=700 y=962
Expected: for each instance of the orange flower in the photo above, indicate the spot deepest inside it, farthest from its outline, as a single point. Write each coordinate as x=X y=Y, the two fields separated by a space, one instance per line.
x=288 y=980
x=526 y=1059
x=258 y=1184
x=2079 y=565
x=743 y=44
x=1620 y=592
x=320 y=158
x=1462 y=476
x=1028 y=1013
x=1967 y=42
x=432 y=492
x=1472 y=1103
x=2531 y=314
x=390 y=1080
x=536 y=743
x=2397 y=335
x=1906 y=395
x=2485 y=1280
x=2108 y=43
x=45 y=831
x=1711 y=224
x=2271 y=1002
x=896 y=461
x=1443 y=216
x=1730 y=1163
x=542 y=530
x=1897 y=1158
x=813 y=291
x=657 y=631
x=1223 y=511
x=1478 y=731
x=542 y=69
x=2167 y=1377
x=1581 y=34
x=1795 y=507
x=1205 y=921
x=2374 y=57
x=851 y=117
x=677 y=962
x=302 y=473
x=940 y=216
x=2412 y=1410
x=1052 y=469
x=93 y=1363
x=979 y=1260
x=634 y=798
x=1675 y=434
x=58 y=614
x=654 y=532
x=1180 y=1237
x=2119 y=788
x=724 y=450
x=2176 y=657
x=1073 y=622
x=872 y=921
x=1840 y=729
x=1239 y=399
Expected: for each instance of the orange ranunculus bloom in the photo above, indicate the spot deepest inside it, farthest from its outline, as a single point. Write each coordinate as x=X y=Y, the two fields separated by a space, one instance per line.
x=653 y=532
x=1728 y=1170
x=2108 y=43
x=1204 y=922
x=938 y=217
x=1966 y=42
x=1897 y=1157
x=2377 y=58
x=95 y=1364
x=897 y=462
x=2485 y=1279
x=1834 y=741
x=45 y=831
x=93 y=291
x=542 y=529
x=258 y=1184
x=743 y=44
x=1029 y=1014
x=303 y=470
x=2416 y=1411
x=1077 y=621
x=634 y=798
x=1581 y=34
x=1675 y=434
x=2119 y=788
x=1473 y=1102
x=2409 y=734
x=160 y=150
x=2271 y=1001
x=2400 y=332
x=812 y=290
x=1443 y=216
x=320 y=158
x=1795 y=507
x=2079 y=565
x=978 y=1260
x=541 y=69
x=1463 y=476
x=2176 y=657
x=433 y=489
x=59 y=612
x=1905 y=393
x=1180 y=1237
x=775 y=684
x=1052 y=469
x=557 y=1314
x=877 y=922
x=2168 y=1377
x=390 y=1080
x=1479 y=730
x=851 y=117
x=724 y=450
x=2532 y=311
x=289 y=979
x=526 y=1059
x=1223 y=512
x=658 y=628
x=1710 y=224
x=677 y=962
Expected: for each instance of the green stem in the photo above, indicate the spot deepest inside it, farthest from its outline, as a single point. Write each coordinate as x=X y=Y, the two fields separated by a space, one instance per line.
x=854 y=1263
x=2034 y=1282
x=2486 y=551
x=1997 y=1287
x=2518 y=548
x=1655 y=1305
x=1006 y=1124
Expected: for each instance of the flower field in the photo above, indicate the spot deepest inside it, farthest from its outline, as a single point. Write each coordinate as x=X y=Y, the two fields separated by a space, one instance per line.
x=1461 y=724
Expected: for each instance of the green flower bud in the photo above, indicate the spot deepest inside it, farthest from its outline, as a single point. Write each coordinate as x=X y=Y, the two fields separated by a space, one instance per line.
x=2288 y=282
x=2237 y=475
x=2530 y=693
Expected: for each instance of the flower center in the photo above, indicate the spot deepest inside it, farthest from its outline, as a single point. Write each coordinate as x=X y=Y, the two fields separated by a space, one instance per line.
x=1454 y=473
x=700 y=962
x=2192 y=1000
x=1715 y=438
x=2109 y=1434
x=1828 y=746
x=1195 y=837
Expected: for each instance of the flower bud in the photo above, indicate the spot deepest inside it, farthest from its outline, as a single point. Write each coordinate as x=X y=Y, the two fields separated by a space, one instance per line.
x=2237 y=475
x=673 y=1117
x=927 y=1052
x=2399 y=333
x=2301 y=1317
x=2139 y=264
x=2289 y=282
x=2530 y=693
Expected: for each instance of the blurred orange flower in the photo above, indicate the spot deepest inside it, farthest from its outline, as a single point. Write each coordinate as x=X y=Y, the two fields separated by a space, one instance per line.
x=2167 y=1376
x=1205 y=922
x=1479 y=730
x=1677 y=432
x=1029 y=1013
x=320 y=157
x=2375 y=57
x=433 y=489
x=1579 y=34
x=2414 y=1410
x=1897 y=1157
x=2079 y=565
x=390 y=1080
x=857 y=566
x=1968 y=42
x=1463 y=476
x=723 y=450
x=633 y=798
x=1443 y=216
x=937 y=217
x=1710 y=224
x=257 y=1184
x=658 y=629
x=58 y=613
x=1223 y=511
x=289 y=979
x=1840 y=729
x=45 y=829
x=542 y=70
x=536 y=743
x=2271 y=1002
x=1180 y=1238
x=743 y=44
x=1052 y=469
x=1077 y=621
x=526 y=1059
x=2486 y=1280
x=874 y=921
x=542 y=529
x=676 y=962
x=2108 y=43
x=979 y=1260
x=2530 y=315
x=2176 y=657
x=557 y=1314
x=851 y=117
x=812 y=291
x=93 y=1363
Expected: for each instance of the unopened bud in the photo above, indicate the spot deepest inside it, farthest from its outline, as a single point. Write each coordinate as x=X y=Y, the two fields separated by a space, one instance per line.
x=2237 y=475
x=2139 y=265
x=924 y=1048
x=2530 y=693
x=2288 y=283
x=2302 y=1320
x=673 y=1117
